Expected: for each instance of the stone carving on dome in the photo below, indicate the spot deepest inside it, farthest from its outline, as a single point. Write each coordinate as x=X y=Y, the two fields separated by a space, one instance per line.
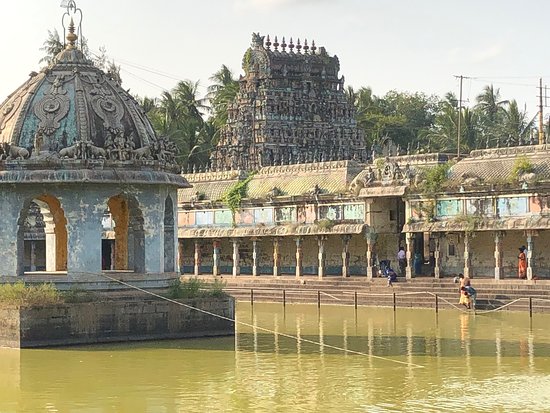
x=118 y=146
x=109 y=109
x=53 y=107
x=13 y=152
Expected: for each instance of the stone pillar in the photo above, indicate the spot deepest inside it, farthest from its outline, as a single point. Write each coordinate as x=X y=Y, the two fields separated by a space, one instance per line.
x=236 y=258
x=276 y=257
x=530 y=246
x=498 y=255
x=51 y=251
x=345 y=255
x=179 y=257
x=370 y=248
x=437 y=257
x=216 y=258
x=299 y=270
x=409 y=240
x=33 y=256
x=197 y=259
x=321 y=242
x=255 y=257
x=467 y=269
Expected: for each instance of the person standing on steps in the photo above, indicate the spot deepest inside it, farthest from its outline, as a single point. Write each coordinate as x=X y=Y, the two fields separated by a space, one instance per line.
x=402 y=260
x=522 y=263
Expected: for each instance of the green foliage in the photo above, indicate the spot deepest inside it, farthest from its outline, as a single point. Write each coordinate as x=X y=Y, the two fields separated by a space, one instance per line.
x=435 y=178
x=29 y=295
x=196 y=288
x=427 y=210
x=234 y=196
x=78 y=295
x=468 y=223
x=325 y=223
x=522 y=165
x=215 y=289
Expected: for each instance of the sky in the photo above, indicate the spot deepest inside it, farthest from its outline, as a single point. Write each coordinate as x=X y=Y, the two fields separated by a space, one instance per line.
x=404 y=45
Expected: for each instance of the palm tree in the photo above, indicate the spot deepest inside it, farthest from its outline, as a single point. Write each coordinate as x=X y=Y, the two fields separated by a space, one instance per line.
x=52 y=46
x=221 y=95
x=180 y=117
x=517 y=127
x=491 y=111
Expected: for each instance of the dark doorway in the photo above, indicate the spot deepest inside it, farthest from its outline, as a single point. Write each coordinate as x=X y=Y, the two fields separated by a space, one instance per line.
x=107 y=254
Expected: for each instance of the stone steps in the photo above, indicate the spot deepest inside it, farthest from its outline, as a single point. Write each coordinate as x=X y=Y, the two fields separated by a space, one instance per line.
x=416 y=293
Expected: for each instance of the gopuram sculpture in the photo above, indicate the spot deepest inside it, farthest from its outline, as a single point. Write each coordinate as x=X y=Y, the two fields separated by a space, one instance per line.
x=291 y=108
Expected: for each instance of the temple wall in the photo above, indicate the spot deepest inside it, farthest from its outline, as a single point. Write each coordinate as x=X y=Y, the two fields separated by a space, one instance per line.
x=110 y=321
x=83 y=211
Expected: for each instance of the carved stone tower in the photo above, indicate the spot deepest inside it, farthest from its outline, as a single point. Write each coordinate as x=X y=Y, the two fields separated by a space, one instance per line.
x=291 y=108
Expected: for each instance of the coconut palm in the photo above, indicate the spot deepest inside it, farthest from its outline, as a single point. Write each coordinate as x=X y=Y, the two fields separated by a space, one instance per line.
x=221 y=95
x=52 y=46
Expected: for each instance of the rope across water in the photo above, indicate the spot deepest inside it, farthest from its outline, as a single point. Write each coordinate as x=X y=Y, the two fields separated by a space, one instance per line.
x=267 y=330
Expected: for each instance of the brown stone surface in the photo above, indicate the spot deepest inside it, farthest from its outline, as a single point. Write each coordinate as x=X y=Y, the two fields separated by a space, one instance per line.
x=117 y=320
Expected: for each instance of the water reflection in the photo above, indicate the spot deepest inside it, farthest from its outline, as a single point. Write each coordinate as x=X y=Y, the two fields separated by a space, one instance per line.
x=499 y=362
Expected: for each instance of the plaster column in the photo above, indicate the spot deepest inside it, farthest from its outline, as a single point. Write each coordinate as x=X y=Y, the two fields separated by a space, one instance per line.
x=345 y=255
x=51 y=251
x=216 y=259
x=530 y=246
x=255 y=257
x=179 y=257
x=321 y=242
x=299 y=269
x=409 y=240
x=33 y=256
x=197 y=259
x=276 y=257
x=437 y=257
x=236 y=258
x=370 y=248
x=467 y=269
x=499 y=273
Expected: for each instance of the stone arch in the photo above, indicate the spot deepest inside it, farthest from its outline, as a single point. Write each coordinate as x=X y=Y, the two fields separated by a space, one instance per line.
x=169 y=243
x=47 y=207
x=129 y=245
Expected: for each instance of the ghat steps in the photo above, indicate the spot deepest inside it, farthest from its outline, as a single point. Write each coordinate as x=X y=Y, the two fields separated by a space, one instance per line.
x=420 y=292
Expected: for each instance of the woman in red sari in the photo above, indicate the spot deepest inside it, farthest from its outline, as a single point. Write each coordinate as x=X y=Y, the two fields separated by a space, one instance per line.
x=522 y=263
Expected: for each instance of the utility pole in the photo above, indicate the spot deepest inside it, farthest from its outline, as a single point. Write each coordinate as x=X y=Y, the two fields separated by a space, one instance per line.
x=541 y=115
x=459 y=116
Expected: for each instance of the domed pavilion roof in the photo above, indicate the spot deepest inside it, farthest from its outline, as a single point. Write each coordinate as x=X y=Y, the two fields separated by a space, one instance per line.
x=72 y=100
x=73 y=110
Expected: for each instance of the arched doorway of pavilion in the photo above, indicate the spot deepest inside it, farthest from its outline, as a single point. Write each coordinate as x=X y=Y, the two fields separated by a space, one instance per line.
x=125 y=250
x=42 y=236
x=169 y=240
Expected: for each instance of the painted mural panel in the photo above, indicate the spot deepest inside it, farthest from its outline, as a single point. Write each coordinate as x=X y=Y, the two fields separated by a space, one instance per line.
x=223 y=217
x=480 y=206
x=285 y=214
x=301 y=214
x=186 y=218
x=310 y=214
x=246 y=217
x=512 y=206
x=448 y=207
x=203 y=218
x=263 y=215
x=332 y=212
x=354 y=212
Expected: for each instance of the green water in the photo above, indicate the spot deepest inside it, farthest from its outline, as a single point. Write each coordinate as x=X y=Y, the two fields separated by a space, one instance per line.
x=411 y=361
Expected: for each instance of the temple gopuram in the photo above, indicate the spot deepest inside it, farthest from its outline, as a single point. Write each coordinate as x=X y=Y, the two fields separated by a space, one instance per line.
x=291 y=108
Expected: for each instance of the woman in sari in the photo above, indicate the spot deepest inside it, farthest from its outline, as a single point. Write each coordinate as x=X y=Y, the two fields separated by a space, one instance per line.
x=522 y=263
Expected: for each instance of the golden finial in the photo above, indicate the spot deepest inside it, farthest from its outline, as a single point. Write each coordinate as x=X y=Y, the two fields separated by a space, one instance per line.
x=71 y=37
